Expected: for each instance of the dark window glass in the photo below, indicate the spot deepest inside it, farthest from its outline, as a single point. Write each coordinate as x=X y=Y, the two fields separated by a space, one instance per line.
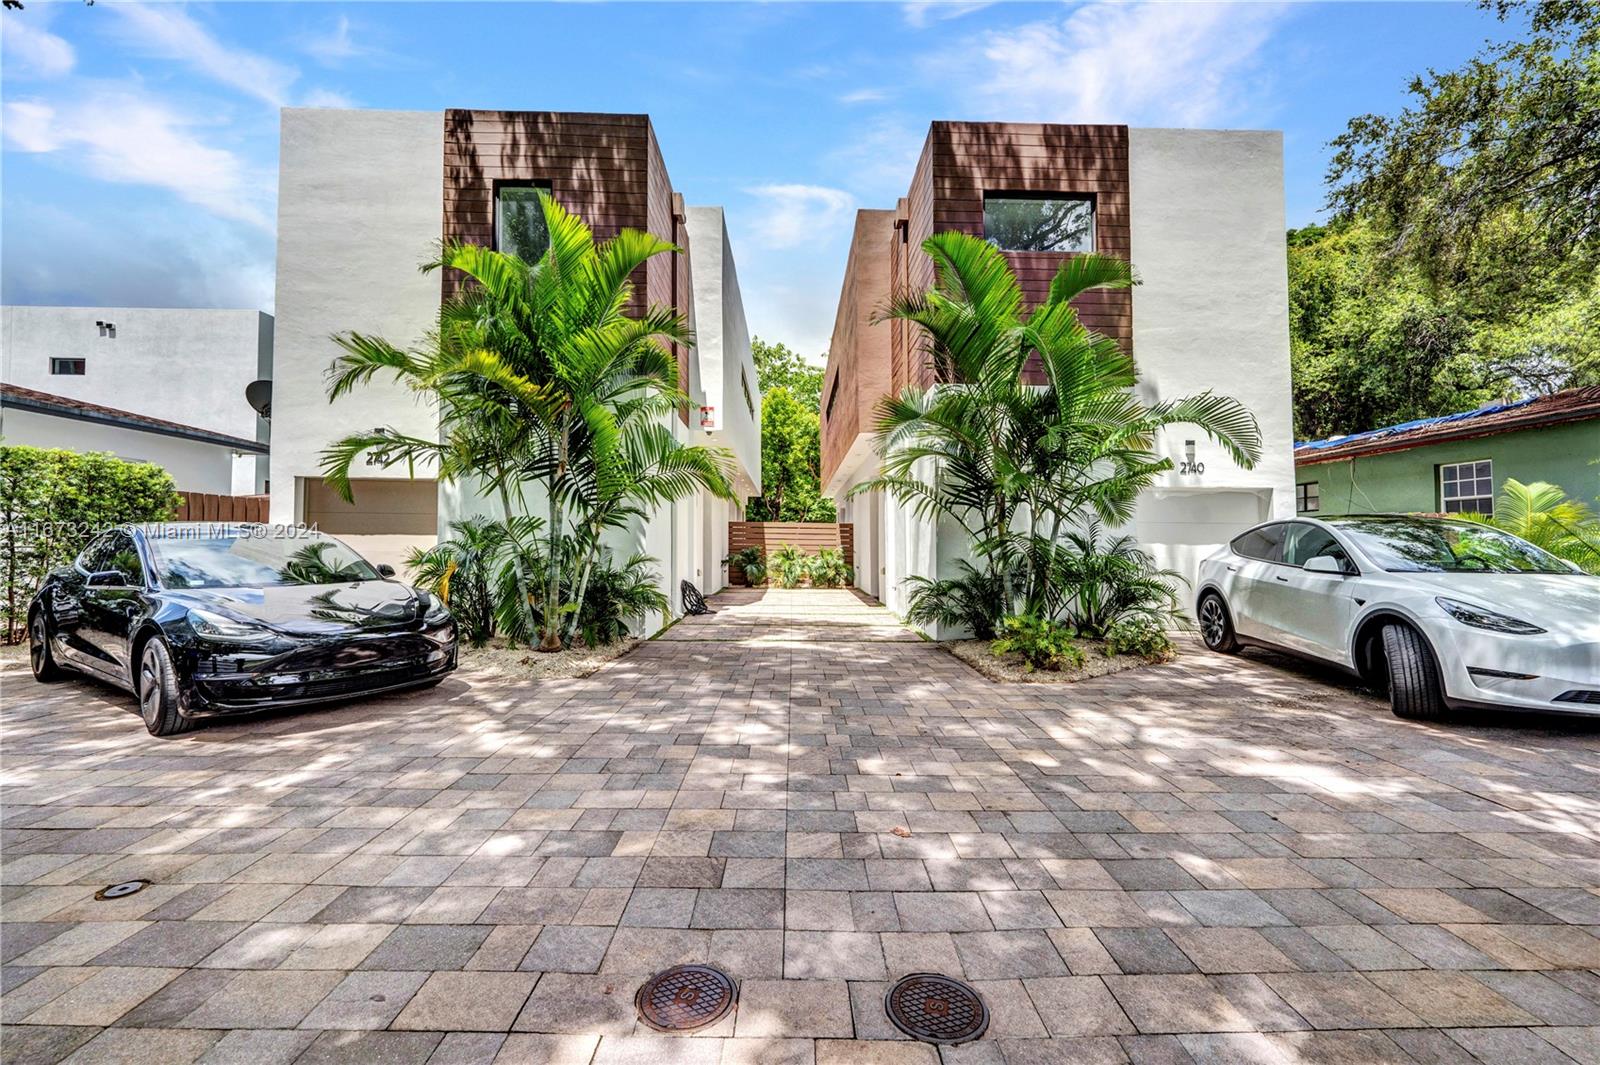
x=124 y=558
x=68 y=367
x=519 y=227
x=1308 y=497
x=1422 y=545
x=183 y=559
x=1264 y=544
x=1305 y=542
x=96 y=555
x=1036 y=222
x=833 y=394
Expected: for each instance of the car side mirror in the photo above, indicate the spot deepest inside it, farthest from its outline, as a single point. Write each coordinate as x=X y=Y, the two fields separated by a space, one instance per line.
x=107 y=578
x=1325 y=564
x=385 y=570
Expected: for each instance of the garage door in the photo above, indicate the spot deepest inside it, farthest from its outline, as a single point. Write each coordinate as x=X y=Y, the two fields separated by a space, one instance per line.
x=1180 y=527
x=387 y=519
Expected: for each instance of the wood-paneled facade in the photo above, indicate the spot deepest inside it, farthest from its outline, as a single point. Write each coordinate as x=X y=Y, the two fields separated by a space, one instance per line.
x=959 y=164
x=606 y=169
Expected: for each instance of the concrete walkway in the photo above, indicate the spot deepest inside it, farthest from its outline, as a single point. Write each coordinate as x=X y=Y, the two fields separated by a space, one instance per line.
x=1223 y=860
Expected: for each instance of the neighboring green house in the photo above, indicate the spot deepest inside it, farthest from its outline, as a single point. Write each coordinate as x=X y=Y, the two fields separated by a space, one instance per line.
x=1456 y=463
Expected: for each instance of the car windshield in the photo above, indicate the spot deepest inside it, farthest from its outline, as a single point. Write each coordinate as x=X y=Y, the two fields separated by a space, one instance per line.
x=1423 y=545
x=251 y=558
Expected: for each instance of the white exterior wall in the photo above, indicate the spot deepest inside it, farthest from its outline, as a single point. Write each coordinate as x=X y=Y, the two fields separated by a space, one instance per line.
x=1211 y=312
x=722 y=348
x=360 y=197
x=194 y=466
x=189 y=366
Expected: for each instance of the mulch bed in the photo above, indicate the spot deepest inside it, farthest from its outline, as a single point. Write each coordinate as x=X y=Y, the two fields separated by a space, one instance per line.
x=524 y=663
x=1011 y=669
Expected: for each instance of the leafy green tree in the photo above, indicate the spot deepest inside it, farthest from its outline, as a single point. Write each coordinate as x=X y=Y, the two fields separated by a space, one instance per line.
x=1463 y=265
x=1016 y=464
x=791 y=462
x=779 y=366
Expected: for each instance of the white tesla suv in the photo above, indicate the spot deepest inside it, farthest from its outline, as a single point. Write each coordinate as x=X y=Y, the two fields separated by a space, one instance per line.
x=1446 y=614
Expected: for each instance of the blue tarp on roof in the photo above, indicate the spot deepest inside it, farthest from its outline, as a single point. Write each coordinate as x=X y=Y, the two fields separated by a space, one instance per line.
x=1406 y=427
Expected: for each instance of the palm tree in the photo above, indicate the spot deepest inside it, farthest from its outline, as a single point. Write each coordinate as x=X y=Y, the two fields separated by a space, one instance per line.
x=1015 y=462
x=532 y=367
x=1541 y=514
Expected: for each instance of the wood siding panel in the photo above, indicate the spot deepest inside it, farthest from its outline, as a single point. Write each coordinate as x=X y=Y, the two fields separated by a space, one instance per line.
x=810 y=536
x=205 y=506
x=606 y=169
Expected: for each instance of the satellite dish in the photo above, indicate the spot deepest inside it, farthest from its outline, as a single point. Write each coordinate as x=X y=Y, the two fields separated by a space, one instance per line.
x=259 y=395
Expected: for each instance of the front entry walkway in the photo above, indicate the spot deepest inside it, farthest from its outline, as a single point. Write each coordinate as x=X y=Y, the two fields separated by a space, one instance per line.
x=1222 y=860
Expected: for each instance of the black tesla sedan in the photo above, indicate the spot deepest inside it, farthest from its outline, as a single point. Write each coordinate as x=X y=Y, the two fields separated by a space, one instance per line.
x=199 y=619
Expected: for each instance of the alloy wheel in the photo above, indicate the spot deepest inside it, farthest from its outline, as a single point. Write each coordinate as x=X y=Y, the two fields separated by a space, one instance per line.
x=150 y=683
x=1212 y=621
x=36 y=644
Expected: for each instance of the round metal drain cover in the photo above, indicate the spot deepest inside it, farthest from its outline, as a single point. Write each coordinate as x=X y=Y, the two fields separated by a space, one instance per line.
x=936 y=1009
x=685 y=997
x=116 y=891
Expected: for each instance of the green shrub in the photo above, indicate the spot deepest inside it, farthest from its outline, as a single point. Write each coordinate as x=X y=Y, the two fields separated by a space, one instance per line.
x=53 y=502
x=752 y=562
x=828 y=569
x=1138 y=635
x=460 y=570
x=971 y=601
x=1042 y=643
x=789 y=566
x=614 y=593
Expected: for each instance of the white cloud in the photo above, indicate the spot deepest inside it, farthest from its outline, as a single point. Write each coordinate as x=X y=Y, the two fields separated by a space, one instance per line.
x=793 y=215
x=336 y=46
x=919 y=12
x=33 y=52
x=879 y=157
x=1177 y=64
x=167 y=32
x=121 y=135
x=863 y=96
x=326 y=98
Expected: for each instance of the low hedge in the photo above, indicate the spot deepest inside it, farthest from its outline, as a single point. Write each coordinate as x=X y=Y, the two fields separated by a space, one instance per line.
x=53 y=502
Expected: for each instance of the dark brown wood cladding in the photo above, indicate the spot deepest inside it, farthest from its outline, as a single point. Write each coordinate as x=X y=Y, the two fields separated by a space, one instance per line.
x=962 y=160
x=607 y=169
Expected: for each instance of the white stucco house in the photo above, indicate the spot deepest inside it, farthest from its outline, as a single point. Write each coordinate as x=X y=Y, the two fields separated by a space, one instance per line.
x=185 y=369
x=365 y=197
x=1199 y=214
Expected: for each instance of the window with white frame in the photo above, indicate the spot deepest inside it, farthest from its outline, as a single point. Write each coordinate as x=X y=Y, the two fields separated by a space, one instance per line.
x=1467 y=487
x=1308 y=497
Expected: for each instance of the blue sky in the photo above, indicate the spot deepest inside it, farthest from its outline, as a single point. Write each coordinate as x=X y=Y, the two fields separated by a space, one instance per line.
x=140 y=140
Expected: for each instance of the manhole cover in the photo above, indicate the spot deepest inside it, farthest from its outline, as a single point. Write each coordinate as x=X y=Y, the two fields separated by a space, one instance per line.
x=936 y=1009
x=685 y=997
x=116 y=891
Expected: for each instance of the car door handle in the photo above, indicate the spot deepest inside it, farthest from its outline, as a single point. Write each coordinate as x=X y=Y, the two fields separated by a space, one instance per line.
x=1285 y=580
x=1233 y=569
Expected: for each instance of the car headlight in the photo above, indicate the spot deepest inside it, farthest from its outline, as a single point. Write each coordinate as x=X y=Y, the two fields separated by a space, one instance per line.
x=1482 y=618
x=436 y=612
x=217 y=627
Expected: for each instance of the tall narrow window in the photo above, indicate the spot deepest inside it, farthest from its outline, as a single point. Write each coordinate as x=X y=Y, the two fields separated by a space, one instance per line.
x=519 y=227
x=744 y=385
x=1033 y=221
x=833 y=394
x=1467 y=487
x=68 y=367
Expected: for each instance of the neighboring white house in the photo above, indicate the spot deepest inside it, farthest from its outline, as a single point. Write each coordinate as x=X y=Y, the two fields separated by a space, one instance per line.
x=1199 y=214
x=182 y=366
x=199 y=460
x=366 y=196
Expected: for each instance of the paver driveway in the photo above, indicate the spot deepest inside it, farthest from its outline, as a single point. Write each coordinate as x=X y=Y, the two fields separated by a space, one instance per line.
x=1222 y=860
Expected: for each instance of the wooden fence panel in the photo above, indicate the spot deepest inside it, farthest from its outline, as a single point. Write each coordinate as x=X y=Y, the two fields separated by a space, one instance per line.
x=810 y=536
x=205 y=506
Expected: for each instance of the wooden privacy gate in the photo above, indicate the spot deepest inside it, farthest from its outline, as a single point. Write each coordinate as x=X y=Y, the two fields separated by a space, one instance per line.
x=809 y=536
